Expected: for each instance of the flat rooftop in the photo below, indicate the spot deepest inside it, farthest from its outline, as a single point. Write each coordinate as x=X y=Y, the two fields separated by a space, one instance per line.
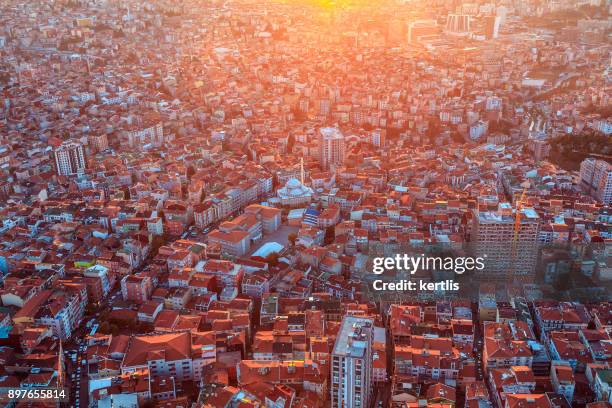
x=353 y=337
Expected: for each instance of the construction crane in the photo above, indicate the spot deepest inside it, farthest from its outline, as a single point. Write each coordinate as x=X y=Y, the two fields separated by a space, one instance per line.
x=518 y=206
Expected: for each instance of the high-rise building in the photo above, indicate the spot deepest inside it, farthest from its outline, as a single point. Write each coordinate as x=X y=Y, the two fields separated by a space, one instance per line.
x=351 y=371
x=509 y=249
x=69 y=158
x=596 y=179
x=377 y=137
x=98 y=142
x=146 y=135
x=421 y=29
x=458 y=24
x=396 y=31
x=492 y=24
x=331 y=147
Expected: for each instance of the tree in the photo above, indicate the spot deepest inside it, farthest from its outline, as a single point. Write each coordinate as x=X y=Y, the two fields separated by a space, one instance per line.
x=563 y=282
x=104 y=328
x=114 y=329
x=149 y=404
x=90 y=309
x=568 y=151
x=158 y=241
x=272 y=258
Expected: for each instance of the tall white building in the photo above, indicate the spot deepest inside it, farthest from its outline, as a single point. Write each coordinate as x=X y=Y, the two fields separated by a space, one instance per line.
x=69 y=158
x=351 y=373
x=331 y=145
x=596 y=179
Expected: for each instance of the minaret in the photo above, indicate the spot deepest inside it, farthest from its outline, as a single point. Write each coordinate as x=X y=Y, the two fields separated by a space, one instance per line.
x=60 y=366
x=302 y=170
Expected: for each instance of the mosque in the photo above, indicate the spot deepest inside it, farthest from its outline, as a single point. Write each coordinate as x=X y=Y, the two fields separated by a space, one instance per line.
x=295 y=193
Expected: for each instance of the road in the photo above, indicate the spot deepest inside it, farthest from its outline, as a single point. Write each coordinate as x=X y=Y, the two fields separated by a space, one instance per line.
x=76 y=375
x=478 y=343
x=79 y=385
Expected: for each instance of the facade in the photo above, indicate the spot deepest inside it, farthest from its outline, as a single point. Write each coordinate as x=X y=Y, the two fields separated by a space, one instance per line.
x=107 y=279
x=331 y=145
x=232 y=242
x=596 y=179
x=143 y=136
x=69 y=158
x=98 y=142
x=507 y=252
x=492 y=26
x=562 y=379
x=269 y=217
x=136 y=288
x=60 y=309
x=458 y=24
x=506 y=345
x=163 y=355
x=478 y=130
x=351 y=372
x=420 y=29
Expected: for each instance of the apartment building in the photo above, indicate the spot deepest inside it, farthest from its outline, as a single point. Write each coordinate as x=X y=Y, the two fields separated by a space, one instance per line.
x=509 y=249
x=136 y=288
x=351 y=371
x=69 y=158
x=596 y=179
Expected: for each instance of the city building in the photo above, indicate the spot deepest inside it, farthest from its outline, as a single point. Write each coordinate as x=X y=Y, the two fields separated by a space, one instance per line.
x=136 y=288
x=351 y=364
x=69 y=158
x=422 y=29
x=458 y=24
x=596 y=179
x=507 y=242
x=295 y=194
x=332 y=147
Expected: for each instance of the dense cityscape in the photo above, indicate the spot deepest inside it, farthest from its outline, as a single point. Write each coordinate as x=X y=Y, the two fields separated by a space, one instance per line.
x=215 y=203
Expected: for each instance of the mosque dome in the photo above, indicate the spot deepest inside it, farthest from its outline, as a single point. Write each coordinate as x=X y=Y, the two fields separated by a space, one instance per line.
x=294 y=189
x=293 y=183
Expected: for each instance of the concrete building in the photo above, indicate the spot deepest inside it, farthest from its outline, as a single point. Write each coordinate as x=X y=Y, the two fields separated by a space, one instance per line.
x=458 y=24
x=352 y=364
x=69 y=158
x=136 y=288
x=494 y=240
x=151 y=135
x=421 y=29
x=596 y=179
x=331 y=145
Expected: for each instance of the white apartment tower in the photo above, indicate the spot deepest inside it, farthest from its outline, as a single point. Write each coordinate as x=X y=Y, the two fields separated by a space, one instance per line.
x=69 y=158
x=351 y=371
x=331 y=145
x=596 y=179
